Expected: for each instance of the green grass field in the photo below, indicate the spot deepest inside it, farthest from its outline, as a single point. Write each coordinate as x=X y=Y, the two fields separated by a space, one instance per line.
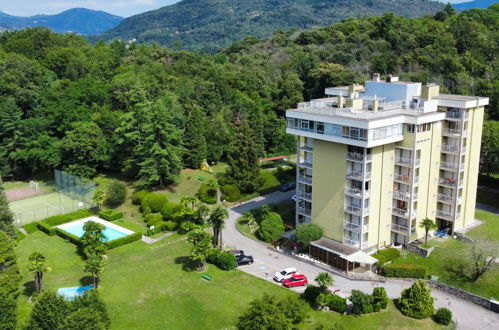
x=451 y=257
x=152 y=287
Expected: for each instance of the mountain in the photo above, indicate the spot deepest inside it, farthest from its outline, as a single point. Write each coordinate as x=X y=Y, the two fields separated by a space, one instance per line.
x=79 y=20
x=474 y=4
x=212 y=24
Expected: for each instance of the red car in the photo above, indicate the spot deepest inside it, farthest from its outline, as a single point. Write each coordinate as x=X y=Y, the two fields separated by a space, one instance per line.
x=295 y=280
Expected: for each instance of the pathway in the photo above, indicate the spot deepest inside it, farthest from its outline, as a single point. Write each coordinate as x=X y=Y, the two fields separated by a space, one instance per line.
x=268 y=261
x=150 y=240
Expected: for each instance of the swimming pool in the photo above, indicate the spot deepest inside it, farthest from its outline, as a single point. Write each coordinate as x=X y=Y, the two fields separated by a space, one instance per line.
x=111 y=231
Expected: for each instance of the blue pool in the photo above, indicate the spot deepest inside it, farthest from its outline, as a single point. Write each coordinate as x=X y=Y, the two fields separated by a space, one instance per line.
x=111 y=231
x=71 y=293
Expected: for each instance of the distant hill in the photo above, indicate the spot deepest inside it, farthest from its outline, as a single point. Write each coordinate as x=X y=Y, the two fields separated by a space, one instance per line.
x=78 y=20
x=212 y=24
x=482 y=4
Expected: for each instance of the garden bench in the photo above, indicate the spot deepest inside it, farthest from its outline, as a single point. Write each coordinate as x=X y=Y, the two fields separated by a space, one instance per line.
x=207 y=277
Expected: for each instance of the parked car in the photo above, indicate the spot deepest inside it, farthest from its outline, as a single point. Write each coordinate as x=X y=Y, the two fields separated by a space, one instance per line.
x=288 y=186
x=237 y=253
x=295 y=280
x=286 y=273
x=244 y=260
x=294 y=198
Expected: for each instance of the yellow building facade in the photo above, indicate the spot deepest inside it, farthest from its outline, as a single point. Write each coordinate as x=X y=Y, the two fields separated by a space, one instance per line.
x=374 y=160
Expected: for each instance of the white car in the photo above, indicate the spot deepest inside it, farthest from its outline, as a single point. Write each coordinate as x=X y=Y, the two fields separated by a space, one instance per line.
x=294 y=198
x=286 y=273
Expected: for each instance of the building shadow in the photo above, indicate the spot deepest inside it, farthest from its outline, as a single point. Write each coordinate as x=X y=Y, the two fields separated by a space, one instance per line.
x=187 y=263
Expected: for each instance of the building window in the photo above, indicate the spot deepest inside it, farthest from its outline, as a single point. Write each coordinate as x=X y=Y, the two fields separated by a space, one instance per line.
x=320 y=128
x=304 y=125
x=336 y=130
x=410 y=128
x=345 y=131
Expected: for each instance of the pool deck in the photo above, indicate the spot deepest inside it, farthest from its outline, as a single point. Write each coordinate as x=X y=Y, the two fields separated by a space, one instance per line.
x=98 y=220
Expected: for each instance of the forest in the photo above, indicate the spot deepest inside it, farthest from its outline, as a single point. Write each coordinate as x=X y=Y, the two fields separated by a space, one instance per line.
x=146 y=112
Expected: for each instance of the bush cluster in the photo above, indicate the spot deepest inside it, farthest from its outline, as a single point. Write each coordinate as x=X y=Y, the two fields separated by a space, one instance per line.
x=386 y=255
x=115 y=193
x=139 y=196
x=410 y=271
x=172 y=211
x=271 y=227
x=443 y=316
x=223 y=260
x=122 y=241
x=206 y=194
x=333 y=302
x=416 y=301
x=152 y=218
x=363 y=303
x=153 y=203
x=230 y=193
x=110 y=215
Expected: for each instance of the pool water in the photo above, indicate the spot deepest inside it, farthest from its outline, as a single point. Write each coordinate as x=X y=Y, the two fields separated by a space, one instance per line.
x=109 y=233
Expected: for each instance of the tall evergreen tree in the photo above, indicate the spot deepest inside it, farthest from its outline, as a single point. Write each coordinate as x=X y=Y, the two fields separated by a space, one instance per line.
x=6 y=216
x=194 y=138
x=243 y=160
x=7 y=311
x=10 y=134
x=9 y=271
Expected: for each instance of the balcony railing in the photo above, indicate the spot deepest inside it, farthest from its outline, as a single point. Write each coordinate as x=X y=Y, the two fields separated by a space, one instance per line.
x=405 y=178
x=306 y=179
x=356 y=227
x=303 y=194
x=405 y=161
x=404 y=195
x=453 y=132
x=305 y=211
x=358 y=157
x=449 y=165
x=455 y=115
x=357 y=175
x=453 y=148
x=356 y=192
x=352 y=242
x=448 y=199
x=356 y=210
x=403 y=213
x=449 y=182
x=448 y=215
x=400 y=228
x=305 y=164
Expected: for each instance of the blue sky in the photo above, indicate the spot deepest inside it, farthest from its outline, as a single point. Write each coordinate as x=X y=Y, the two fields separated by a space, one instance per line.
x=118 y=7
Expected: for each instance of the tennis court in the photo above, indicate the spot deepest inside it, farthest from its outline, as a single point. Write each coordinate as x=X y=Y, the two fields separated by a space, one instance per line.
x=43 y=206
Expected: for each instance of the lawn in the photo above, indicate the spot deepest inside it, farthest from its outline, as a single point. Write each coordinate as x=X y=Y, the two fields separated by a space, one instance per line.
x=152 y=287
x=450 y=258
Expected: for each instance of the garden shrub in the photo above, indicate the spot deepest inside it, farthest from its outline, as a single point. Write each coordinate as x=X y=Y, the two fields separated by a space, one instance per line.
x=110 y=215
x=63 y=218
x=337 y=304
x=153 y=203
x=230 y=193
x=170 y=225
x=386 y=255
x=269 y=182
x=307 y=232
x=31 y=227
x=115 y=193
x=169 y=210
x=47 y=229
x=361 y=302
x=206 y=194
x=226 y=261
x=443 y=316
x=410 y=271
x=152 y=218
x=67 y=236
x=380 y=299
x=213 y=255
x=139 y=196
x=271 y=227
x=124 y=240
x=324 y=299
x=311 y=293
x=416 y=301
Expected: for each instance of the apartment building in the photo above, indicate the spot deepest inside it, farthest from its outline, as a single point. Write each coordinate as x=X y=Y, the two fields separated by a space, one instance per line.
x=374 y=160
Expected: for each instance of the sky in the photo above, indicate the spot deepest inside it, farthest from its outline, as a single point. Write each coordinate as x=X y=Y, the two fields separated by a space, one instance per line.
x=123 y=8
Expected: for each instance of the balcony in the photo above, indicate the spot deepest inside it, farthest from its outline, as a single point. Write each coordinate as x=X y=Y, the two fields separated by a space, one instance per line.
x=305 y=179
x=304 y=211
x=453 y=149
x=448 y=199
x=449 y=182
x=407 y=162
x=453 y=166
x=400 y=228
x=356 y=227
x=448 y=215
x=452 y=132
x=403 y=213
x=358 y=157
x=404 y=195
x=304 y=195
x=358 y=175
x=356 y=210
x=355 y=192
x=455 y=115
x=406 y=179
x=305 y=165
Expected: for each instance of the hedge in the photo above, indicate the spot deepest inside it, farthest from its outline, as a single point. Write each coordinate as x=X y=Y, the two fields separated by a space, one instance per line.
x=63 y=218
x=31 y=227
x=124 y=240
x=139 y=196
x=411 y=271
x=153 y=203
x=45 y=228
x=337 y=304
x=110 y=215
x=386 y=255
x=67 y=236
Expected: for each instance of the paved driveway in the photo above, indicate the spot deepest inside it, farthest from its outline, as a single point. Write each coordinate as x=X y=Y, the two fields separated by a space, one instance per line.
x=267 y=262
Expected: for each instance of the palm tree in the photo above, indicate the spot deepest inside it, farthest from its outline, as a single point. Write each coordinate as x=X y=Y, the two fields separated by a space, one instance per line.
x=192 y=200
x=38 y=267
x=202 y=246
x=94 y=265
x=217 y=220
x=427 y=224
x=202 y=213
x=92 y=239
x=324 y=280
x=99 y=198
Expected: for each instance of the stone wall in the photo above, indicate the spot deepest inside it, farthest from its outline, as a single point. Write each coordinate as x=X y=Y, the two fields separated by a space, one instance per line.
x=415 y=248
x=463 y=237
x=473 y=298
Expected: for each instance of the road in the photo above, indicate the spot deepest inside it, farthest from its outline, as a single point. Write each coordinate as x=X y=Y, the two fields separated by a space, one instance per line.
x=267 y=262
